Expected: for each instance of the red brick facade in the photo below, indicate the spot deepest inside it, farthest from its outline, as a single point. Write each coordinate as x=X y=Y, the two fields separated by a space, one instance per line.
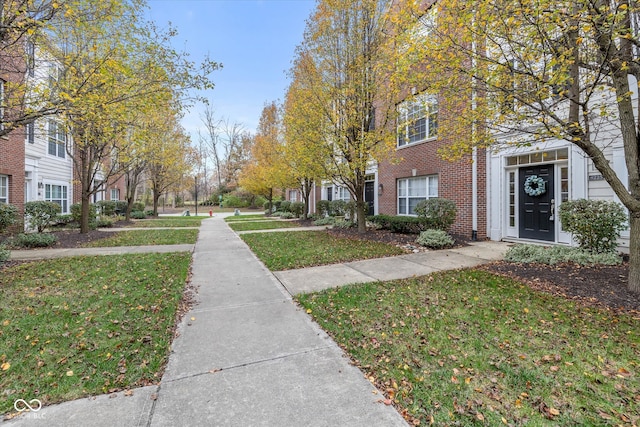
x=12 y=165
x=454 y=183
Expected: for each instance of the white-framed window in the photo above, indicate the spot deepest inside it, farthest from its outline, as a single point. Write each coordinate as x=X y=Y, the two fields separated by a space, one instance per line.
x=411 y=191
x=342 y=193
x=57 y=194
x=57 y=139
x=293 y=195
x=2 y=103
x=4 y=189
x=115 y=194
x=30 y=132
x=417 y=120
x=30 y=49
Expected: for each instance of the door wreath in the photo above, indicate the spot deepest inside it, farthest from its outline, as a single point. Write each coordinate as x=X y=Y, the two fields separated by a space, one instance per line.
x=534 y=186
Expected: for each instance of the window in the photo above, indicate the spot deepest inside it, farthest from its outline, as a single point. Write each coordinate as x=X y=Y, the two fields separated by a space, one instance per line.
x=293 y=196
x=115 y=194
x=2 y=101
x=57 y=139
x=418 y=120
x=30 y=132
x=411 y=191
x=4 y=189
x=57 y=194
x=31 y=57
x=342 y=193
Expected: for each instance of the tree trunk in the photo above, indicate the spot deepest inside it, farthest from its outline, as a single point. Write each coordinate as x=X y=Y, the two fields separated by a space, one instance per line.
x=156 y=197
x=361 y=207
x=84 y=213
x=634 y=252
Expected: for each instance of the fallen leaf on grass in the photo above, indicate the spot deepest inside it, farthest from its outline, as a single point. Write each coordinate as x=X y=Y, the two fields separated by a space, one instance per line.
x=5 y=366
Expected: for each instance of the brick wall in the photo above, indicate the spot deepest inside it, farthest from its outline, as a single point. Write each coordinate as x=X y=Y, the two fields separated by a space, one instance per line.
x=454 y=182
x=12 y=165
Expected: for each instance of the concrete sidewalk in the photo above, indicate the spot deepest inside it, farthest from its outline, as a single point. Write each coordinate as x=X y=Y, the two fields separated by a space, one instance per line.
x=391 y=268
x=245 y=356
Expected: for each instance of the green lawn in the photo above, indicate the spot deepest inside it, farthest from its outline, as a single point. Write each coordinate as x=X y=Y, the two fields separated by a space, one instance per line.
x=252 y=217
x=82 y=326
x=471 y=348
x=296 y=249
x=261 y=225
x=146 y=237
x=177 y=221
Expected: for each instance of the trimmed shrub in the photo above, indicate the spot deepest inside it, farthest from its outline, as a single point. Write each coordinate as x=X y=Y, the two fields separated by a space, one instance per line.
x=559 y=254
x=436 y=213
x=64 y=219
x=104 y=222
x=8 y=216
x=435 y=239
x=350 y=208
x=297 y=208
x=4 y=253
x=34 y=240
x=76 y=212
x=285 y=206
x=137 y=215
x=106 y=207
x=121 y=207
x=337 y=208
x=323 y=207
x=595 y=224
x=284 y=215
x=380 y=221
x=138 y=206
x=41 y=214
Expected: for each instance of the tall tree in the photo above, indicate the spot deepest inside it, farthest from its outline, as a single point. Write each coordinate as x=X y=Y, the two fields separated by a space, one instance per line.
x=265 y=171
x=540 y=70
x=305 y=155
x=22 y=24
x=106 y=64
x=170 y=162
x=354 y=97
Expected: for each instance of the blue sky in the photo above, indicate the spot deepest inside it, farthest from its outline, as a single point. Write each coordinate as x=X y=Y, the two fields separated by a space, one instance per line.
x=255 y=40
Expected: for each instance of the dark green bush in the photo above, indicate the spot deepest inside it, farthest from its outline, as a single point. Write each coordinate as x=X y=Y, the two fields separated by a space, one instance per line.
x=41 y=214
x=148 y=212
x=121 y=207
x=406 y=224
x=285 y=206
x=106 y=207
x=398 y=224
x=64 y=219
x=8 y=216
x=137 y=215
x=138 y=206
x=436 y=213
x=34 y=240
x=595 y=224
x=337 y=208
x=76 y=212
x=350 y=208
x=323 y=207
x=297 y=208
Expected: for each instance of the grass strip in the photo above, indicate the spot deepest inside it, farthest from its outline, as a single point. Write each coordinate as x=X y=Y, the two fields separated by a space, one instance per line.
x=297 y=249
x=262 y=225
x=179 y=221
x=470 y=348
x=252 y=217
x=83 y=326
x=146 y=237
